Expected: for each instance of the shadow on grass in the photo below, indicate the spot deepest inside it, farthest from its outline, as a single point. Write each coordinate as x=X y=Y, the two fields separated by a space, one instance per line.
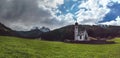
x=95 y=42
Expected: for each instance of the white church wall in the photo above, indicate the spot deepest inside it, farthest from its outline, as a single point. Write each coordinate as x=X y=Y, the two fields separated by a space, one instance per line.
x=79 y=36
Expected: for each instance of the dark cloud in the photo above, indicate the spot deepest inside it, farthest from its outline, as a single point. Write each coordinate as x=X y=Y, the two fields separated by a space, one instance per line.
x=25 y=14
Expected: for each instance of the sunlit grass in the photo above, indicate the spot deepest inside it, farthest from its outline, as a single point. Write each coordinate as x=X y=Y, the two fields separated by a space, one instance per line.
x=12 y=47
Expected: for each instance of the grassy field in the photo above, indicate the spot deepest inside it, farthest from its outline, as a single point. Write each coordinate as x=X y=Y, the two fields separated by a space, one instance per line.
x=12 y=47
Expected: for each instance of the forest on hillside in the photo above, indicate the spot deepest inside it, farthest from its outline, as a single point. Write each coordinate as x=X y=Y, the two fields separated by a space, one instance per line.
x=63 y=33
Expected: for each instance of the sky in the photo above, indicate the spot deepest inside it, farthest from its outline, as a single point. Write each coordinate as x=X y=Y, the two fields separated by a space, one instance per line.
x=26 y=14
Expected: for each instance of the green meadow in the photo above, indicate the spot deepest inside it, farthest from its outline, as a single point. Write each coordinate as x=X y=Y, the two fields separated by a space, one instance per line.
x=13 y=47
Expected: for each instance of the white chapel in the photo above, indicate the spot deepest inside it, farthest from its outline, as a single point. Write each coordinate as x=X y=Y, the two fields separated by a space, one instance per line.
x=80 y=35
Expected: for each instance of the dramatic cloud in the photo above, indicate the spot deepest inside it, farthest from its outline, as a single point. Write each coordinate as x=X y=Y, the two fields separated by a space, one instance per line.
x=51 y=3
x=26 y=14
x=99 y=12
x=92 y=11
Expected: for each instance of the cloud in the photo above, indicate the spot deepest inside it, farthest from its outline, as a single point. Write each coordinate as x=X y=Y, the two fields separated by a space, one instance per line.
x=118 y=1
x=92 y=11
x=51 y=3
x=68 y=18
x=25 y=14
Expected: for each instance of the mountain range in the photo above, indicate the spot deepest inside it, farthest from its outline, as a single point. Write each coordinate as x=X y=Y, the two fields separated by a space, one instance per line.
x=33 y=33
x=64 y=33
x=5 y=30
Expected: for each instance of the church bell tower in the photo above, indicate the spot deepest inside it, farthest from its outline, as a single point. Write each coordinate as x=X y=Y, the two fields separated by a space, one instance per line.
x=76 y=32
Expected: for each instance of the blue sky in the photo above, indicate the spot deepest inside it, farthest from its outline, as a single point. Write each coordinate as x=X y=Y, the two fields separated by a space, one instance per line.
x=114 y=12
x=69 y=7
x=26 y=14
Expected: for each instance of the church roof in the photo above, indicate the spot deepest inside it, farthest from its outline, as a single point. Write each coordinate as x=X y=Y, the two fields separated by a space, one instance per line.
x=76 y=23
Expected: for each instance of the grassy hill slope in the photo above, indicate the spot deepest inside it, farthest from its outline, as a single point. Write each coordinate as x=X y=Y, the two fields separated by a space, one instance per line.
x=12 y=47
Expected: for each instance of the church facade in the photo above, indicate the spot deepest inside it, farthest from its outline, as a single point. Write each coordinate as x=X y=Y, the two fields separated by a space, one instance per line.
x=80 y=35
